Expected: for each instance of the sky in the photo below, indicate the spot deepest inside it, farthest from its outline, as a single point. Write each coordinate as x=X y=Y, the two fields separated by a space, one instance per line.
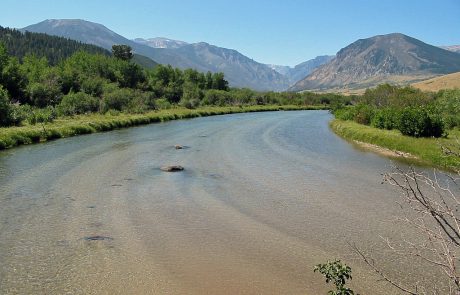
x=284 y=32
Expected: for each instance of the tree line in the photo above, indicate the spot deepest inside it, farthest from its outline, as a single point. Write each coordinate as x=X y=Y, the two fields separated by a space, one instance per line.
x=53 y=48
x=407 y=109
x=32 y=89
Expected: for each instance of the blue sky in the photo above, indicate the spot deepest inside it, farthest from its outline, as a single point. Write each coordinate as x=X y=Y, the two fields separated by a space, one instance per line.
x=280 y=32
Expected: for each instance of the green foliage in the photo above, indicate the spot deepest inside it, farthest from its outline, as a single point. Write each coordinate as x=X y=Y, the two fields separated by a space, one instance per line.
x=118 y=99
x=409 y=110
x=13 y=79
x=45 y=115
x=52 y=48
x=163 y=104
x=338 y=274
x=345 y=113
x=363 y=114
x=386 y=118
x=449 y=105
x=5 y=108
x=122 y=52
x=386 y=95
x=420 y=122
x=78 y=103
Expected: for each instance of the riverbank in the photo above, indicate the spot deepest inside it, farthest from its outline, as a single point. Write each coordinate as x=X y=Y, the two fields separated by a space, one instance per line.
x=92 y=123
x=424 y=151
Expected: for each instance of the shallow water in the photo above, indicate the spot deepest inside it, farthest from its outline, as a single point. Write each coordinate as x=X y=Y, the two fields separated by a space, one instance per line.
x=263 y=198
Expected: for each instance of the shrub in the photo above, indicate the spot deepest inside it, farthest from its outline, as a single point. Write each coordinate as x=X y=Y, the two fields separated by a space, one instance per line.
x=449 y=105
x=42 y=116
x=42 y=95
x=420 y=122
x=78 y=103
x=163 y=104
x=386 y=118
x=117 y=99
x=5 y=108
x=93 y=86
x=345 y=113
x=337 y=273
x=363 y=114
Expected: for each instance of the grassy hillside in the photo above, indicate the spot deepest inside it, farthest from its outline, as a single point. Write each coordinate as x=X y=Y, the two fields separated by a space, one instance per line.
x=449 y=81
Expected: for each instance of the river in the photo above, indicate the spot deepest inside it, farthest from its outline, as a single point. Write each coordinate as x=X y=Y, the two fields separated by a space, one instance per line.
x=263 y=198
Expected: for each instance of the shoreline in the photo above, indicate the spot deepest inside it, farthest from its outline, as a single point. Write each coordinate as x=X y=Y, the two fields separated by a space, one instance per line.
x=11 y=137
x=391 y=143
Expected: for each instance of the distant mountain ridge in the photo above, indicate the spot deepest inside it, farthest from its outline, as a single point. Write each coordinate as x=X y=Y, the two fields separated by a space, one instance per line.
x=453 y=48
x=160 y=42
x=300 y=71
x=384 y=58
x=239 y=70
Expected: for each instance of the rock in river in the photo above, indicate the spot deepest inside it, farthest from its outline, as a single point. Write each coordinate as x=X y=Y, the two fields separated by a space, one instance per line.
x=172 y=168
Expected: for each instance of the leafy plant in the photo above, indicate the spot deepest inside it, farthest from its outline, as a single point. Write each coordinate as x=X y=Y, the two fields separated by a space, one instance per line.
x=338 y=274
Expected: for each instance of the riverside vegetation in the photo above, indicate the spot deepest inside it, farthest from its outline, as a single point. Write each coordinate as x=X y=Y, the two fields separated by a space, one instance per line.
x=90 y=92
x=404 y=119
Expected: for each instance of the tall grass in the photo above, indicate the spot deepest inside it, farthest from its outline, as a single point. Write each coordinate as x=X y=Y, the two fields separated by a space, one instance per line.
x=91 y=123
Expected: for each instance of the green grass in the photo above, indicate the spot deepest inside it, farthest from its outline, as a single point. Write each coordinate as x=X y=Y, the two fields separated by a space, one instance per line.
x=91 y=123
x=427 y=150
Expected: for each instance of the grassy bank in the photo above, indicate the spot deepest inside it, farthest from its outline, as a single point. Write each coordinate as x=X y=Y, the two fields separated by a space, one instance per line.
x=427 y=150
x=85 y=124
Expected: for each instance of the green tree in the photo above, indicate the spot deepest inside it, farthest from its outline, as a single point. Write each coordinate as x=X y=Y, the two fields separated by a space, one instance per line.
x=5 y=108
x=14 y=80
x=122 y=52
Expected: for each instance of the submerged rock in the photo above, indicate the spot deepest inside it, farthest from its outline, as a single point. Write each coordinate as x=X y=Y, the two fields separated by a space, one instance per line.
x=172 y=168
x=98 y=238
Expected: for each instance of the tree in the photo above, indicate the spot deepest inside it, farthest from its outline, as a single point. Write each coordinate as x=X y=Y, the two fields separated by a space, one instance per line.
x=5 y=108
x=122 y=52
x=431 y=206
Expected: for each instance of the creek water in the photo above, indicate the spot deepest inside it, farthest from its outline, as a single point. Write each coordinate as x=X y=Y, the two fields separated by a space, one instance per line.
x=263 y=198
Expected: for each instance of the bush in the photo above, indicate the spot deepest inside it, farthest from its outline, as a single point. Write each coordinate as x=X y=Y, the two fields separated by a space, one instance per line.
x=42 y=95
x=363 y=114
x=449 y=105
x=46 y=115
x=93 y=86
x=419 y=122
x=78 y=103
x=337 y=273
x=5 y=108
x=117 y=99
x=386 y=118
x=344 y=113
x=141 y=102
x=163 y=104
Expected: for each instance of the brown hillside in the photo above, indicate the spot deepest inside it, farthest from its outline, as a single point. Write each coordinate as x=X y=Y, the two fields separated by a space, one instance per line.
x=449 y=81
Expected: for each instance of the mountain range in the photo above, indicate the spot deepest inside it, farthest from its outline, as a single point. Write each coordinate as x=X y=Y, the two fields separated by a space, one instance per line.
x=394 y=58
x=239 y=70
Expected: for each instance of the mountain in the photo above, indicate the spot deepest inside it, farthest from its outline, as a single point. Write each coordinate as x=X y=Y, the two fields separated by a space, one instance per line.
x=239 y=70
x=301 y=70
x=453 y=48
x=394 y=58
x=54 y=49
x=160 y=42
